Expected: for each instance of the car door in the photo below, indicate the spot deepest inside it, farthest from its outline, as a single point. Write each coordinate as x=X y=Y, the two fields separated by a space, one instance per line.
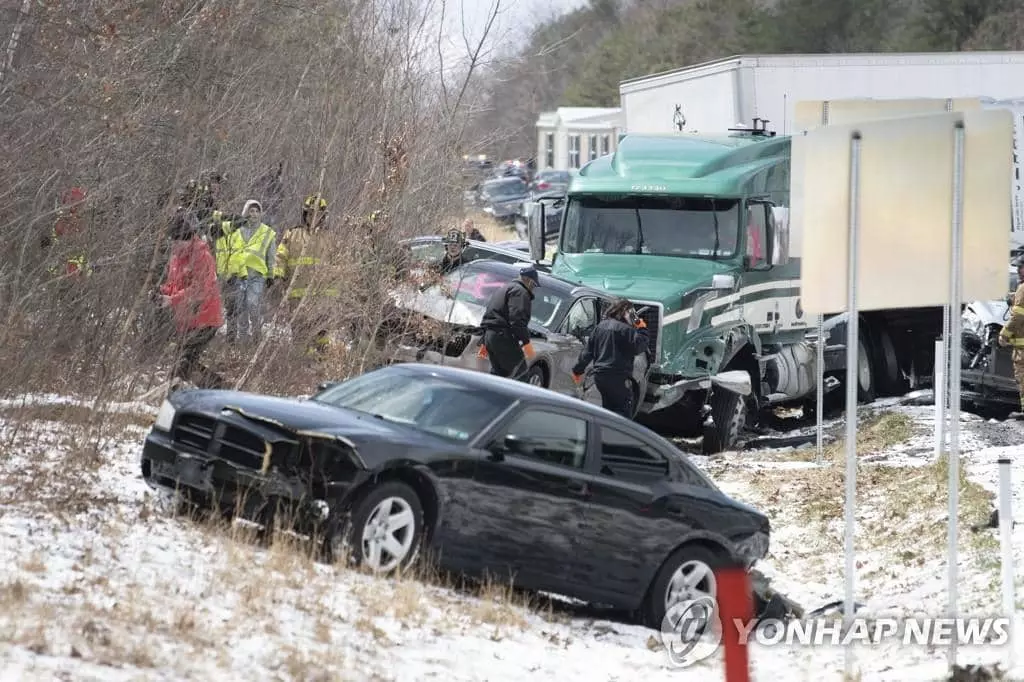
x=532 y=481
x=579 y=322
x=624 y=535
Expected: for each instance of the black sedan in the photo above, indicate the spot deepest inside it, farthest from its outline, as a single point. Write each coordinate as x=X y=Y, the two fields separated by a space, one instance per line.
x=493 y=476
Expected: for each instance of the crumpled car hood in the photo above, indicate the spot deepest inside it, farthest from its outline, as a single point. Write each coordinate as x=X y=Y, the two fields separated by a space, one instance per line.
x=436 y=305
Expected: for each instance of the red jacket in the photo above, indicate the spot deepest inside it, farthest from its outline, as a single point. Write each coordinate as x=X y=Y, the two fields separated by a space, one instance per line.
x=192 y=285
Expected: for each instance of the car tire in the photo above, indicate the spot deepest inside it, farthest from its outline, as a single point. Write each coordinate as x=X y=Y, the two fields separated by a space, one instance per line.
x=383 y=532
x=729 y=413
x=689 y=574
x=535 y=376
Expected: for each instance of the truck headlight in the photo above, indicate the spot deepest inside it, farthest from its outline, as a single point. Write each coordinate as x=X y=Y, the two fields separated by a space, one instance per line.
x=164 y=417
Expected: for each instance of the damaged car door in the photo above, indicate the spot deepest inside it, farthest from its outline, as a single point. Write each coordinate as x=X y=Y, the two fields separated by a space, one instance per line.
x=532 y=479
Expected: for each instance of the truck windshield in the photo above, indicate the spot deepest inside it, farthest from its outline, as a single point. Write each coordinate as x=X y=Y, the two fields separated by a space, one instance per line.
x=692 y=227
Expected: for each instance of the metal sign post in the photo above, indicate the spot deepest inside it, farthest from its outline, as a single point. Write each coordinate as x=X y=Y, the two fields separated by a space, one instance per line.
x=820 y=423
x=852 y=330
x=940 y=383
x=953 y=370
x=821 y=391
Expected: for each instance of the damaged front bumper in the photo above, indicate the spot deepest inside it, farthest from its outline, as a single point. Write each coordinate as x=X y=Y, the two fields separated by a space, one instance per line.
x=468 y=359
x=660 y=396
x=213 y=483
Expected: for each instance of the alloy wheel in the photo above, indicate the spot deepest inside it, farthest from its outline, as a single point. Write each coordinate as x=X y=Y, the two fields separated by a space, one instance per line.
x=693 y=580
x=388 y=535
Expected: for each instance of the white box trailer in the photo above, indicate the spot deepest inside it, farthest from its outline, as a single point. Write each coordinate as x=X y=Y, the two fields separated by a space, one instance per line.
x=717 y=95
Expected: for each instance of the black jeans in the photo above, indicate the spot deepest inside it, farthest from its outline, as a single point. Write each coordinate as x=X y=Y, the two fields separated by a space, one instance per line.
x=616 y=394
x=506 y=355
x=190 y=346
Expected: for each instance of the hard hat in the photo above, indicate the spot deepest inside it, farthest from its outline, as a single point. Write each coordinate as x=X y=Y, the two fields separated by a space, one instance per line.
x=314 y=201
x=454 y=237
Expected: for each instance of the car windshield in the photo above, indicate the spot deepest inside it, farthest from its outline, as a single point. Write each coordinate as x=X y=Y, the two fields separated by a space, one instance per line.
x=559 y=177
x=476 y=286
x=428 y=403
x=511 y=187
x=691 y=227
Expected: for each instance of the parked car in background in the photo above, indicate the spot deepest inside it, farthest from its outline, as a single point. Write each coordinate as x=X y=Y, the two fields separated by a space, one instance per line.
x=501 y=198
x=564 y=316
x=493 y=477
x=551 y=181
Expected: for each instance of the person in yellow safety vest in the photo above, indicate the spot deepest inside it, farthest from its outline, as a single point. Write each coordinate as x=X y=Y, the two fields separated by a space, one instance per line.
x=298 y=256
x=1012 y=333
x=246 y=254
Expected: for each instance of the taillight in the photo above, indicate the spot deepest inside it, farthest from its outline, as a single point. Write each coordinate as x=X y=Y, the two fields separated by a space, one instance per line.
x=543 y=185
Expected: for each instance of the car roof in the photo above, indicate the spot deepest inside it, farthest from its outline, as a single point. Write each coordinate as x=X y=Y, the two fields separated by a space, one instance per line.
x=506 y=179
x=508 y=387
x=483 y=246
x=511 y=270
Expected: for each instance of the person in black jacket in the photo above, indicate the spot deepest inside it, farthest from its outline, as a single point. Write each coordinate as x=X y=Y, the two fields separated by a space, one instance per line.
x=454 y=248
x=506 y=325
x=612 y=348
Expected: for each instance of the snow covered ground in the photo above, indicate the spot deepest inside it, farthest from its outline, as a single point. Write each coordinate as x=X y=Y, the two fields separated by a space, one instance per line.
x=101 y=583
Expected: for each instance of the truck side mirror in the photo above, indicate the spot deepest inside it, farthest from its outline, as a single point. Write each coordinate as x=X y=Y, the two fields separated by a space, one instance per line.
x=535 y=229
x=778 y=230
x=723 y=283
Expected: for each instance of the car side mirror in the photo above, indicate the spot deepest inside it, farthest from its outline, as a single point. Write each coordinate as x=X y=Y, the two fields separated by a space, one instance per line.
x=509 y=443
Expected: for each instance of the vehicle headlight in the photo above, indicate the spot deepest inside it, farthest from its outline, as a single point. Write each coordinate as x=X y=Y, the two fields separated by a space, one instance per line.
x=164 y=417
x=752 y=547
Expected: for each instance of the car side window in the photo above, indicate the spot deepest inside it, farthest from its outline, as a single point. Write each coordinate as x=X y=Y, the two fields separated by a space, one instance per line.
x=581 y=318
x=473 y=253
x=546 y=436
x=629 y=458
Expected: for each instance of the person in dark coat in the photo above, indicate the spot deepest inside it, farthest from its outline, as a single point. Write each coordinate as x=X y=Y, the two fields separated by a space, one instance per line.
x=612 y=348
x=506 y=325
x=454 y=246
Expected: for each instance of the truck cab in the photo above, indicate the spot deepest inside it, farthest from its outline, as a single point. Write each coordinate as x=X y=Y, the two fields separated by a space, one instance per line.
x=694 y=229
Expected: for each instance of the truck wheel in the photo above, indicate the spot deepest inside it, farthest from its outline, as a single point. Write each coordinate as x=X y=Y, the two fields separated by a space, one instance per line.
x=865 y=370
x=887 y=378
x=729 y=413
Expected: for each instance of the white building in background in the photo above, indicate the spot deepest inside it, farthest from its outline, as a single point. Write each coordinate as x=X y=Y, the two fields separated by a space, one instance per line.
x=569 y=137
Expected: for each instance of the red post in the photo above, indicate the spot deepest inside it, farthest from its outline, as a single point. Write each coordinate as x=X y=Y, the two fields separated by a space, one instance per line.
x=735 y=603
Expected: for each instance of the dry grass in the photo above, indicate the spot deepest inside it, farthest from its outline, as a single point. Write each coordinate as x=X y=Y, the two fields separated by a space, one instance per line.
x=900 y=508
x=492 y=230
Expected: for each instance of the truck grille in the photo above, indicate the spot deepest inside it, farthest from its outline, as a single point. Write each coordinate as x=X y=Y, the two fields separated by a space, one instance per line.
x=227 y=442
x=652 y=317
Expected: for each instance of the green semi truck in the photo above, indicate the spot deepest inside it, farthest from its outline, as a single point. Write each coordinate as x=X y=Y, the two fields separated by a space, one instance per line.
x=694 y=229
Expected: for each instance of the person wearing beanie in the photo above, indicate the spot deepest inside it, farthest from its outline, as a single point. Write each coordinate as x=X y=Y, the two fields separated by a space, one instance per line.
x=506 y=325
x=247 y=254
